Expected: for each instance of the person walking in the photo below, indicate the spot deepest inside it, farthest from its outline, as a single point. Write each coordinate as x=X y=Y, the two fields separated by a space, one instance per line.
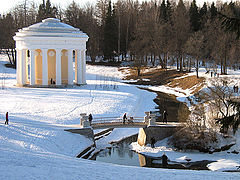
x=165 y=114
x=153 y=141
x=90 y=118
x=6 y=122
x=124 y=118
x=164 y=160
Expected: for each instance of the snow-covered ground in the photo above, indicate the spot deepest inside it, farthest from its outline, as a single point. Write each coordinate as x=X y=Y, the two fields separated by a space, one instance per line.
x=35 y=146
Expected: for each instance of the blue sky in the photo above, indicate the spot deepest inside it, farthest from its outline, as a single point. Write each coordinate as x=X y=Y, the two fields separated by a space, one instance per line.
x=6 y=5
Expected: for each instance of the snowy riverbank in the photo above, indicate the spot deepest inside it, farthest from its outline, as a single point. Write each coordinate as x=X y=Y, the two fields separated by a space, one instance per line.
x=225 y=160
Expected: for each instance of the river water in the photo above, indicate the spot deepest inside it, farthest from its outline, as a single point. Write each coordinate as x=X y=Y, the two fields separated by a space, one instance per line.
x=121 y=154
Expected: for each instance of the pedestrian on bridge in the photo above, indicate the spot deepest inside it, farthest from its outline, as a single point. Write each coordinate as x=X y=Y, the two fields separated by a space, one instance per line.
x=90 y=118
x=153 y=141
x=124 y=118
x=165 y=114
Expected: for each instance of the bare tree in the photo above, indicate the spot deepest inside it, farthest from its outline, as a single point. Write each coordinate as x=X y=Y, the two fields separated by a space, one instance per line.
x=194 y=47
x=217 y=96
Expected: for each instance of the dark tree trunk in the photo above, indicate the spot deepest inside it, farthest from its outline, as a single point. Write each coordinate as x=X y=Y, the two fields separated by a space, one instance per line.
x=11 y=53
x=178 y=63
x=181 y=63
x=225 y=65
x=197 y=66
x=221 y=66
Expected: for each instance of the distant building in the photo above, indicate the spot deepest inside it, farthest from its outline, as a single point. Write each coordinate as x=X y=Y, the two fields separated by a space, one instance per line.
x=45 y=54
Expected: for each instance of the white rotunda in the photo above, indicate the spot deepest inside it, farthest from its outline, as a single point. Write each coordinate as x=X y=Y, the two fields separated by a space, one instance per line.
x=46 y=52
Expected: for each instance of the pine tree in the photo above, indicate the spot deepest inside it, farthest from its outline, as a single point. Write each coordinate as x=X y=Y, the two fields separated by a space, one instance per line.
x=163 y=12
x=194 y=17
x=181 y=30
x=46 y=10
x=49 y=9
x=169 y=10
x=203 y=10
x=230 y=18
x=110 y=34
x=203 y=15
x=213 y=11
x=41 y=12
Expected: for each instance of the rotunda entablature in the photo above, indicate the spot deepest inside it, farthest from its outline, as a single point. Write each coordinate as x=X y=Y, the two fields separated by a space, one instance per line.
x=29 y=43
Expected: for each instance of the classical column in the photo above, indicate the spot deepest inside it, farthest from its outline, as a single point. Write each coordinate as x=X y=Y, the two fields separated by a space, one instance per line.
x=58 y=67
x=18 y=66
x=70 y=66
x=32 y=67
x=44 y=67
x=83 y=66
x=23 y=66
x=79 y=68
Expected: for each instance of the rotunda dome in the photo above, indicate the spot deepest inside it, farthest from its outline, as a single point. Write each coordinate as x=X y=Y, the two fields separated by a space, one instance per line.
x=50 y=27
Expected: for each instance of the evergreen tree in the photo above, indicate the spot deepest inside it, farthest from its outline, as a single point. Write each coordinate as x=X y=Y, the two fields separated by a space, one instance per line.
x=49 y=9
x=203 y=10
x=230 y=17
x=163 y=12
x=194 y=17
x=213 y=11
x=181 y=30
x=203 y=15
x=110 y=34
x=46 y=10
x=169 y=11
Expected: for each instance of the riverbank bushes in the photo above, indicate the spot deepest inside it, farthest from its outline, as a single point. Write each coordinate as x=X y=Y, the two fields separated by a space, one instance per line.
x=194 y=137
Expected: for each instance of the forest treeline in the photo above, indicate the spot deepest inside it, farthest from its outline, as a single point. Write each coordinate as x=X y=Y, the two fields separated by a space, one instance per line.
x=166 y=31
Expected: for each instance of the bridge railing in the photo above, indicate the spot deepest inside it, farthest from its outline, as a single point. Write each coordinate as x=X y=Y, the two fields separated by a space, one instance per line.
x=105 y=120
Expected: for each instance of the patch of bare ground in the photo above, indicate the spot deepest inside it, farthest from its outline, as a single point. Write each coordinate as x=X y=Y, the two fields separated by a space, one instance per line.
x=151 y=76
x=188 y=82
x=171 y=78
x=155 y=76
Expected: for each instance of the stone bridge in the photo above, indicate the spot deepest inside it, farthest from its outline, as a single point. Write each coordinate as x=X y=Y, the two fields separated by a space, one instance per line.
x=148 y=127
x=116 y=122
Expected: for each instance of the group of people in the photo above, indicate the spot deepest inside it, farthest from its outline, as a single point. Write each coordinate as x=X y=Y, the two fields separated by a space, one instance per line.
x=130 y=120
x=164 y=117
x=214 y=74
